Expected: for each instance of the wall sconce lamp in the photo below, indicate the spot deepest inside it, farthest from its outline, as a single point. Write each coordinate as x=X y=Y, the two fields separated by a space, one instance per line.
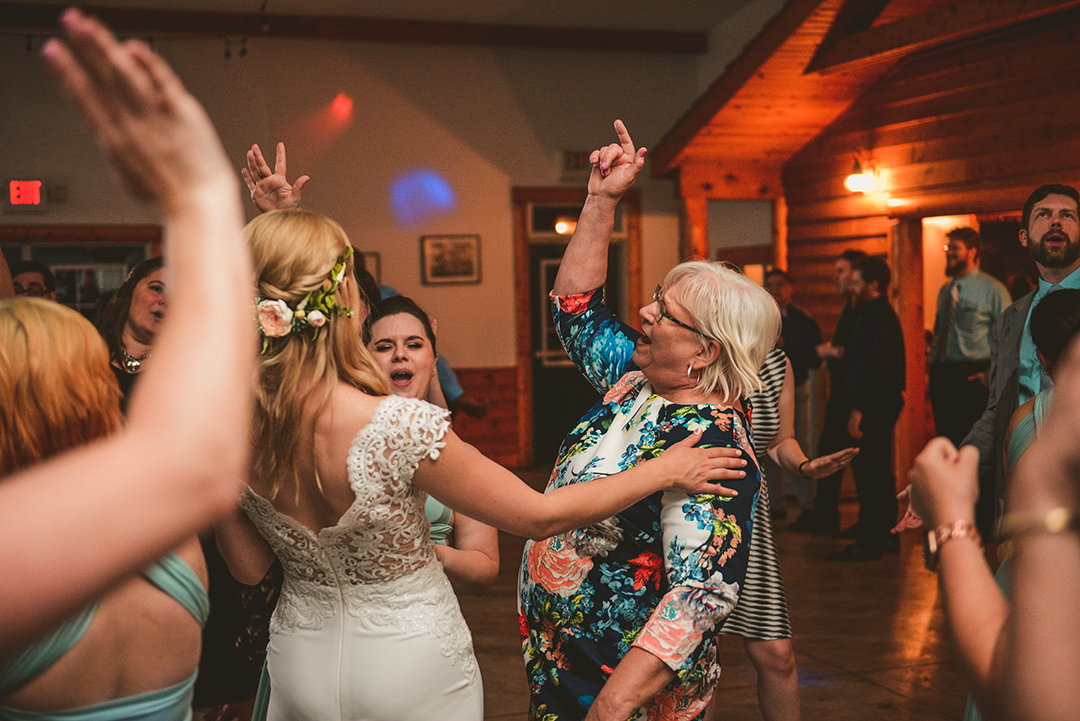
x=861 y=181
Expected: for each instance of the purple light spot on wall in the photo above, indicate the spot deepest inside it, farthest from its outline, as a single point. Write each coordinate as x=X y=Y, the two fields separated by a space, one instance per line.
x=419 y=195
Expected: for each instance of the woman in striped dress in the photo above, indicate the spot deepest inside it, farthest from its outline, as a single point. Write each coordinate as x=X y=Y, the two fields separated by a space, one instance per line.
x=761 y=616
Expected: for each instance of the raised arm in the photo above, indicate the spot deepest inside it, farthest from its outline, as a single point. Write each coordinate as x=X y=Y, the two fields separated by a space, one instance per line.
x=465 y=480
x=614 y=168
x=270 y=190
x=72 y=526
x=944 y=487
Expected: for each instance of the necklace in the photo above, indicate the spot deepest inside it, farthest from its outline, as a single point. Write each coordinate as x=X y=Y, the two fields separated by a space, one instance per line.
x=131 y=363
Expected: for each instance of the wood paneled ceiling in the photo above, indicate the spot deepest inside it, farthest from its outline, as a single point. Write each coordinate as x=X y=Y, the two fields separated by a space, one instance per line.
x=762 y=110
x=802 y=71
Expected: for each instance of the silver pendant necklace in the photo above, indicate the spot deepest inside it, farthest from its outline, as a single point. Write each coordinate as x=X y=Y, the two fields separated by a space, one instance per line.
x=131 y=363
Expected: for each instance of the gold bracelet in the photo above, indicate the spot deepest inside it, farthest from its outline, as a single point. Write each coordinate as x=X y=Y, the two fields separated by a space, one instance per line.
x=944 y=533
x=1056 y=520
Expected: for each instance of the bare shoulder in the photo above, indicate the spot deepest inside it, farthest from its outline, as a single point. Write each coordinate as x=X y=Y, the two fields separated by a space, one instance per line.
x=347 y=412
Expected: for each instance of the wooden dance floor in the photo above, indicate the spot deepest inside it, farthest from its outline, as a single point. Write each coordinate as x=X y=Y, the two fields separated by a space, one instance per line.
x=870 y=638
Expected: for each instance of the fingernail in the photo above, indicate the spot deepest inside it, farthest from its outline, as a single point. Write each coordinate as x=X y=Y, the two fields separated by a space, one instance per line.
x=742 y=474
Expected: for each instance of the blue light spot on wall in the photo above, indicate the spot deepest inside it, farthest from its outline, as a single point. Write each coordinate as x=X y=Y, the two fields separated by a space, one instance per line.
x=419 y=195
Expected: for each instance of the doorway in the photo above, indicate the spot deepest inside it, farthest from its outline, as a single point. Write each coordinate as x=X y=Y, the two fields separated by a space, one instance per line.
x=89 y=262
x=553 y=394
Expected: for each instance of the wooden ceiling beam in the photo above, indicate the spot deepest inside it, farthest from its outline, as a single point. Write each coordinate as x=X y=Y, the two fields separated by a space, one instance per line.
x=748 y=180
x=854 y=17
x=127 y=21
x=941 y=25
x=665 y=153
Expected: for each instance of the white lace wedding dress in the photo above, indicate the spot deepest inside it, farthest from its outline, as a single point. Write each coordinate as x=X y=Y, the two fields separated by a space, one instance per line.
x=368 y=626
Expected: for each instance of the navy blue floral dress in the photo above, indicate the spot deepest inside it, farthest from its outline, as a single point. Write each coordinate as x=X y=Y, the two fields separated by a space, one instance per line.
x=662 y=574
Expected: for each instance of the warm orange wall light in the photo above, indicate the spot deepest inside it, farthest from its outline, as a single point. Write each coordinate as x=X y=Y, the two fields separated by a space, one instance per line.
x=860 y=181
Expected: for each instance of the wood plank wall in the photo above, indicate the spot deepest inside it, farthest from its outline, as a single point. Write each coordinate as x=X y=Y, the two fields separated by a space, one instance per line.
x=496 y=434
x=971 y=128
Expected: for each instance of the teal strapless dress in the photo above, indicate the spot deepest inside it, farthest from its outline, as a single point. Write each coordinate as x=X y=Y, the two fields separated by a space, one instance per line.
x=173 y=576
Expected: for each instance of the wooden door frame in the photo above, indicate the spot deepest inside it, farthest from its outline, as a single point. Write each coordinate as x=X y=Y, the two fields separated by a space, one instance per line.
x=82 y=234
x=522 y=197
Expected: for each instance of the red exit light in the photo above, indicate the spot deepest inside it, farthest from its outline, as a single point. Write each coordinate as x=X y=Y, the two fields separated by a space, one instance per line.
x=25 y=192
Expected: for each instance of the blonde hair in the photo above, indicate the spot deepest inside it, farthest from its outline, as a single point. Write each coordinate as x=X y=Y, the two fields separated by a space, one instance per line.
x=56 y=388
x=294 y=251
x=733 y=310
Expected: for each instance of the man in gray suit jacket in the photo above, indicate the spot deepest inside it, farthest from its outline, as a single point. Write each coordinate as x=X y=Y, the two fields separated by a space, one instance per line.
x=1050 y=230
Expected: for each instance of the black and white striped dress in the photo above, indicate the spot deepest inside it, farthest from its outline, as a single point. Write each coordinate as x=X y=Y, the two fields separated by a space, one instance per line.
x=762 y=611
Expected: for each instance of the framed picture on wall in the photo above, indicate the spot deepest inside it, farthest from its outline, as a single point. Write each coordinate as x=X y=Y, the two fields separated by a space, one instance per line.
x=372 y=263
x=449 y=259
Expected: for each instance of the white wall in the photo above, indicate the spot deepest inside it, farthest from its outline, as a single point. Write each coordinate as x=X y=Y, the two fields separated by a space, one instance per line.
x=739 y=224
x=485 y=119
x=730 y=37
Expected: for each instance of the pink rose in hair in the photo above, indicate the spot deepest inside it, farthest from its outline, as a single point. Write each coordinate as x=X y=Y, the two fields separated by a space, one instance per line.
x=316 y=319
x=275 y=318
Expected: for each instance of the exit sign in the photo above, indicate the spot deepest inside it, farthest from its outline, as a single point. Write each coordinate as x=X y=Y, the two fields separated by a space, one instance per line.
x=26 y=196
x=25 y=192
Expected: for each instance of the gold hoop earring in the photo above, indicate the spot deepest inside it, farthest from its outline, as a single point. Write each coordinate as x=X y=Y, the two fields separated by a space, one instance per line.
x=689 y=370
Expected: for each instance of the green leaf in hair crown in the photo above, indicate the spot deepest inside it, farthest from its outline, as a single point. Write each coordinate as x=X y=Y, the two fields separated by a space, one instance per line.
x=277 y=319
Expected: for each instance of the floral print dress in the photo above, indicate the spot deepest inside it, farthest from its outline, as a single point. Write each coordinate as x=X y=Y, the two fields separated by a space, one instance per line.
x=662 y=574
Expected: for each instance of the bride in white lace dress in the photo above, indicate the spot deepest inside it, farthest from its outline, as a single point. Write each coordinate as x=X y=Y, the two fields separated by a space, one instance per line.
x=367 y=626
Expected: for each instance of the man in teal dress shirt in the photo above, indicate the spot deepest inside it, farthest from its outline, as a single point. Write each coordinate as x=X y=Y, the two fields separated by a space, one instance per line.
x=1050 y=230
x=967 y=307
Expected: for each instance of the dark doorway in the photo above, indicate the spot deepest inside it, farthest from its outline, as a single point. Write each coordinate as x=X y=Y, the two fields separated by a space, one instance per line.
x=1004 y=258
x=552 y=393
x=561 y=395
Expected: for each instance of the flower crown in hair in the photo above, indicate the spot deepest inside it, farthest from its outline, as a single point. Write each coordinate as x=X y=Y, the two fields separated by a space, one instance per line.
x=277 y=319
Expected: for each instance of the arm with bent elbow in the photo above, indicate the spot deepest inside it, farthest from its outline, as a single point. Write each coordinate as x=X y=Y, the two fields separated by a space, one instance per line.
x=471 y=558
x=466 y=481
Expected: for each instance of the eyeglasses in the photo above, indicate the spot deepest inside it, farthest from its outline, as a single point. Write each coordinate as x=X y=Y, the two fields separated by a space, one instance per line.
x=664 y=314
x=31 y=291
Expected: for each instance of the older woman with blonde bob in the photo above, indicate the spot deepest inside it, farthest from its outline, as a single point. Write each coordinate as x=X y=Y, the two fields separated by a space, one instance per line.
x=367 y=625
x=620 y=618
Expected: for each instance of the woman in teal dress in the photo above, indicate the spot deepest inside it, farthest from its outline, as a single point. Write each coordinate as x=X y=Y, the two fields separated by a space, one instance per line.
x=104 y=586
x=401 y=339
x=98 y=620
x=107 y=661
x=944 y=485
